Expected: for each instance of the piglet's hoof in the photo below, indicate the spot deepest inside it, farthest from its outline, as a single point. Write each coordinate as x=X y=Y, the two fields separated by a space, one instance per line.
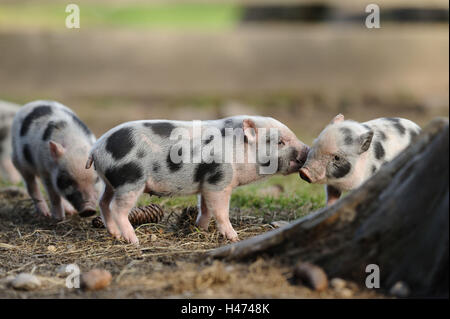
x=231 y=236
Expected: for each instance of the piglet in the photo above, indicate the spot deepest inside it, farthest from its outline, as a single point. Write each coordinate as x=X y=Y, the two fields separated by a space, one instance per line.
x=166 y=158
x=51 y=143
x=7 y=169
x=347 y=153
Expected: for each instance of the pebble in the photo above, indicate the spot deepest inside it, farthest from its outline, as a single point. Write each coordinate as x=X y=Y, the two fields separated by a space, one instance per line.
x=345 y=293
x=95 y=279
x=337 y=283
x=400 y=289
x=25 y=281
x=153 y=237
x=51 y=248
x=311 y=275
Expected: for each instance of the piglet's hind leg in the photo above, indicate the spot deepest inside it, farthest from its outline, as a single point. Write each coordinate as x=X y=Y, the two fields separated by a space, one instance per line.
x=105 y=212
x=55 y=201
x=36 y=195
x=121 y=206
x=204 y=215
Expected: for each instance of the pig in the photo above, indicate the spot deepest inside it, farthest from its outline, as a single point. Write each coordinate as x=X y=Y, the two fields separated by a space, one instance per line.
x=7 y=169
x=51 y=143
x=347 y=153
x=136 y=157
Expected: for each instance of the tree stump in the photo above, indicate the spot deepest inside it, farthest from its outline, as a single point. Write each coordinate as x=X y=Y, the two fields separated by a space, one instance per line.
x=398 y=220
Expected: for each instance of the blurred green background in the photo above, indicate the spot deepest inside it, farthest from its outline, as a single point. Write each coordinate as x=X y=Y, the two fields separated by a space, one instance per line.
x=300 y=61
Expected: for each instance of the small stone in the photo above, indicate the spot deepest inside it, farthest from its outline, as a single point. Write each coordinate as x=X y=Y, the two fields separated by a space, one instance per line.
x=311 y=275
x=153 y=237
x=337 y=283
x=400 y=289
x=95 y=279
x=345 y=293
x=279 y=223
x=25 y=281
x=51 y=248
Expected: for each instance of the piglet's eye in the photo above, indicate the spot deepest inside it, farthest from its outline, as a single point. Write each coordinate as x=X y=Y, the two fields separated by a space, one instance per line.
x=336 y=158
x=280 y=142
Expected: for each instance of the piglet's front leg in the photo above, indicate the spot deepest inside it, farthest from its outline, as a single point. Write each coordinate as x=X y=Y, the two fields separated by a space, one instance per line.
x=333 y=194
x=218 y=203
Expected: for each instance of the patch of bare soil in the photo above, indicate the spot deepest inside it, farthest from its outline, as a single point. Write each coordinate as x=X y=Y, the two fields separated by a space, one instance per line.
x=170 y=261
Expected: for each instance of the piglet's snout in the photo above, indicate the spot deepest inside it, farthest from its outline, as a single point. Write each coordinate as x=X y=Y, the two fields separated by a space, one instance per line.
x=304 y=174
x=302 y=156
x=88 y=211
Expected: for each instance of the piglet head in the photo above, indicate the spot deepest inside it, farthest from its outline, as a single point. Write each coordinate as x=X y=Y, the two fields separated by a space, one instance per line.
x=337 y=155
x=289 y=152
x=80 y=186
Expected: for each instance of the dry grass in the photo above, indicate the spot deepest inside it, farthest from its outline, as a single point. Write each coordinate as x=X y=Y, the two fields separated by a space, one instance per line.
x=169 y=263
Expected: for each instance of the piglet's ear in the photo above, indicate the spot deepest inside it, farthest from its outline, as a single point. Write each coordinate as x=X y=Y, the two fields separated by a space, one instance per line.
x=56 y=150
x=364 y=141
x=338 y=118
x=250 y=130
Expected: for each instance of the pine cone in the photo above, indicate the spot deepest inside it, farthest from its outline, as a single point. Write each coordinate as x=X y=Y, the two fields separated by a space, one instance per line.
x=152 y=213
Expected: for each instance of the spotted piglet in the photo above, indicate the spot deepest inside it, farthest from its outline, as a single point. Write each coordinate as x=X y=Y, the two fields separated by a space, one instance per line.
x=7 y=169
x=347 y=153
x=149 y=156
x=51 y=143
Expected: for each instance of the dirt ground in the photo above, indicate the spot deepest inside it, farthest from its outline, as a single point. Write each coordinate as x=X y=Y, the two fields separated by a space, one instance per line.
x=170 y=262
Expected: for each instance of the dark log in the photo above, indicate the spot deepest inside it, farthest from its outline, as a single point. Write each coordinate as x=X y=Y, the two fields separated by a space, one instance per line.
x=398 y=219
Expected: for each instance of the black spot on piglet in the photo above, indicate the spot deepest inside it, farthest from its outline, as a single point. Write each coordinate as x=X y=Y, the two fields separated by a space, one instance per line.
x=396 y=122
x=80 y=123
x=64 y=181
x=173 y=166
x=124 y=174
x=51 y=127
x=37 y=113
x=342 y=169
x=120 y=143
x=163 y=129
x=348 y=135
x=156 y=167
x=208 y=169
x=27 y=154
x=379 y=150
x=141 y=154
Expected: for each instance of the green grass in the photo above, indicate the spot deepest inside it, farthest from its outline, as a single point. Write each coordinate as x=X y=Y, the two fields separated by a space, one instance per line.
x=296 y=201
x=52 y=16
